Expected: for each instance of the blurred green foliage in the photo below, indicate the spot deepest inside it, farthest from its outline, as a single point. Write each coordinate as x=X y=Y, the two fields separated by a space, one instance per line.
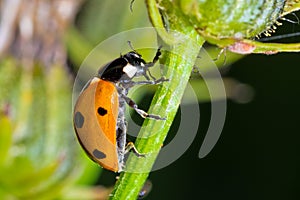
x=37 y=151
x=40 y=157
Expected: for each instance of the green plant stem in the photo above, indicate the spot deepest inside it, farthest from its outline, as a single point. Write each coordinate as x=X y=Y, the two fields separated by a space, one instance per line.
x=178 y=64
x=153 y=133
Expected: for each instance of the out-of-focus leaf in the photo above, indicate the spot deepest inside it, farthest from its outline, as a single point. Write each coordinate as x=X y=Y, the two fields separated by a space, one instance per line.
x=97 y=23
x=5 y=137
x=39 y=147
x=28 y=179
x=78 y=46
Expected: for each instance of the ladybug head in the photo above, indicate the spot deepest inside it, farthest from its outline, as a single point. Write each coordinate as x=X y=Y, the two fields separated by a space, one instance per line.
x=127 y=67
x=134 y=58
x=136 y=65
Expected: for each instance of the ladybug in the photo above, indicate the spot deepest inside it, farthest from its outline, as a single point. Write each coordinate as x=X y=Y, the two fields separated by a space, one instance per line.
x=99 y=113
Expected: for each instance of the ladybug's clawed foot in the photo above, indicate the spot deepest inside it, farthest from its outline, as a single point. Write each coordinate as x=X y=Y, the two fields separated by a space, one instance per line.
x=146 y=115
x=148 y=82
x=130 y=147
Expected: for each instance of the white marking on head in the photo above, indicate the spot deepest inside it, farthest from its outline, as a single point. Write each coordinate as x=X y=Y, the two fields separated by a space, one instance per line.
x=136 y=55
x=130 y=70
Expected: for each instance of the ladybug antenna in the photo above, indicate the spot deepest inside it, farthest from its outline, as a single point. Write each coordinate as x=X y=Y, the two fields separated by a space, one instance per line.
x=131 y=4
x=130 y=45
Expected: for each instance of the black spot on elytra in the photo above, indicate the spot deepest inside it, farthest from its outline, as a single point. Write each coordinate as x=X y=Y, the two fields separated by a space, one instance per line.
x=99 y=154
x=78 y=120
x=102 y=111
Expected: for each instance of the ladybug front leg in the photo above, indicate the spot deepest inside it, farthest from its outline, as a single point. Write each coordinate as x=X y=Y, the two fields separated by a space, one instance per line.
x=155 y=59
x=150 y=64
x=148 y=82
x=142 y=113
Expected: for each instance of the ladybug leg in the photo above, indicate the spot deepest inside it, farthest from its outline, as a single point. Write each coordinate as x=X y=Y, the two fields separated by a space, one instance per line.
x=150 y=64
x=150 y=76
x=146 y=75
x=142 y=113
x=130 y=147
x=148 y=82
x=156 y=57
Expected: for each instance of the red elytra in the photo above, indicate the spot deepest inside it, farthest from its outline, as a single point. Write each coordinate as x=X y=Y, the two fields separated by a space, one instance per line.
x=95 y=115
